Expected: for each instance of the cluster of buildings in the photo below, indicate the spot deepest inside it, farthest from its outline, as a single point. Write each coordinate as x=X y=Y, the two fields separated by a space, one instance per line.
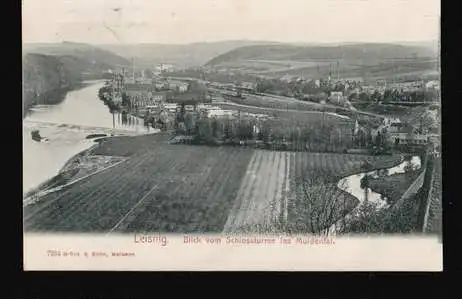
x=249 y=87
x=396 y=132
x=339 y=90
x=138 y=93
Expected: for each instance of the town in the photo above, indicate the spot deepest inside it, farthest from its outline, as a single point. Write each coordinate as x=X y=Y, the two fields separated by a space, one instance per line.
x=229 y=151
x=191 y=107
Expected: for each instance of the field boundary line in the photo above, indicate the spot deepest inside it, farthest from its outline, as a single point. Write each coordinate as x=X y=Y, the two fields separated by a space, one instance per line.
x=29 y=200
x=287 y=187
x=235 y=209
x=428 y=201
x=132 y=209
x=413 y=188
x=67 y=191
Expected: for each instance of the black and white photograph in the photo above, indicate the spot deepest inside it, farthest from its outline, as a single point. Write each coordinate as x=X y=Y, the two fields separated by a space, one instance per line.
x=231 y=118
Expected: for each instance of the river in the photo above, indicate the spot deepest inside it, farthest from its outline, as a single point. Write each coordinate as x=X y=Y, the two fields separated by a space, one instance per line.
x=66 y=126
x=352 y=185
x=81 y=113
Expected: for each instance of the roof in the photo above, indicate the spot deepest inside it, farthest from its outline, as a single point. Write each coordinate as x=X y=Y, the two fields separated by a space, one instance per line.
x=139 y=87
x=186 y=97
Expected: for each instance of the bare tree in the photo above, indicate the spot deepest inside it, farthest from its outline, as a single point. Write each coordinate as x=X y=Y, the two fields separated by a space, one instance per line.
x=319 y=205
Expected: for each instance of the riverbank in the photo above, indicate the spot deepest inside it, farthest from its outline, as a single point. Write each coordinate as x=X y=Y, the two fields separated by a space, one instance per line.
x=81 y=165
x=339 y=226
x=53 y=97
x=393 y=186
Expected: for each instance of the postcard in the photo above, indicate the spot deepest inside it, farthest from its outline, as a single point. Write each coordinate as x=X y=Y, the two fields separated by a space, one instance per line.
x=296 y=135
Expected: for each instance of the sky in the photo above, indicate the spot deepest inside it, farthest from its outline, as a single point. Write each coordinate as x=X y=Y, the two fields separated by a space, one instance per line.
x=187 y=21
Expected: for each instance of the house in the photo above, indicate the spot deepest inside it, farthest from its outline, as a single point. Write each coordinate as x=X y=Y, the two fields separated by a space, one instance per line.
x=287 y=78
x=405 y=134
x=434 y=84
x=215 y=113
x=401 y=138
x=170 y=107
x=336 y=97
x=399 y=127
x=248 y=86
x=387 y=121
x=178 y=86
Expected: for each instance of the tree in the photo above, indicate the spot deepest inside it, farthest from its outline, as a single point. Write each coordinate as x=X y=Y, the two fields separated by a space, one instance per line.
x=245 y=130
x=430 y=95
x=204 y=131
x=319 y=206
x=376 y=96
x=370 y=218
x=364 y=97
x=387 y=96
x=428 y=121
x=227 y=131
x=214 y=125
x=125 y=100
x=189 y=122
x=353 y=97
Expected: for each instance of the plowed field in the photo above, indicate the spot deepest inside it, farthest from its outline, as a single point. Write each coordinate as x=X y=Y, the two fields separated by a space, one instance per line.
x=181 y=188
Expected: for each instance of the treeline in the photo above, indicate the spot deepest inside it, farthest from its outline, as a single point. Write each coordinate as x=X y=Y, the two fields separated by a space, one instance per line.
x=269 y=134
x=396 y=95
x=305 y=89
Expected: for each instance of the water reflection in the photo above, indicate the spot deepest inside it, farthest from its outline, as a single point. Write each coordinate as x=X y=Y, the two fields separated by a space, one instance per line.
x=66 y=125
x=352 y=184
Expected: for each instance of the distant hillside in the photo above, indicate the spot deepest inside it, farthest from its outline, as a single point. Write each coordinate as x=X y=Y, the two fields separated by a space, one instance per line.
x=45 y=79
x=79 y=58
x=355 y=52
x=50 y=70
x=183 y=55
x=357 y=59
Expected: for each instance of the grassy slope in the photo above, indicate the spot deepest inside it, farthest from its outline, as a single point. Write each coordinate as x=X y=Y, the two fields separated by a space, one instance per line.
x=184 y=55
x=355 y=60
x=78 y=57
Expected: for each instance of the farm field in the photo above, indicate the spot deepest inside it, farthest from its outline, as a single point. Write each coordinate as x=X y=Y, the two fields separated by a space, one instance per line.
x=263 y=194
x=181 y=188
x=262 y=66
x=273 y=195
x=174 y=188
